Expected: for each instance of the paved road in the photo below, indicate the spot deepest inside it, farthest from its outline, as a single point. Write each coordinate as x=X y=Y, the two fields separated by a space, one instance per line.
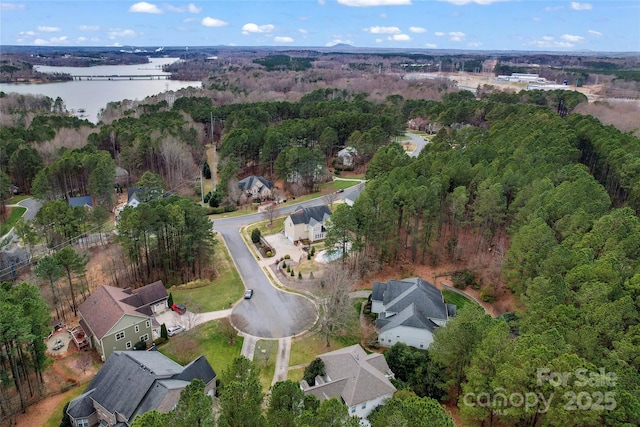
x=419 y=141
x=271 y=313
x=32 y=206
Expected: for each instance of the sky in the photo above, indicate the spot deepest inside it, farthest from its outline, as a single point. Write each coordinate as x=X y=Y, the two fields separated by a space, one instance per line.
x=523 y=25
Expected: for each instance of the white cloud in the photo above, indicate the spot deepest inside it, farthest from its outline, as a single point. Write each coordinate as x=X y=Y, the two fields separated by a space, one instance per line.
x=121 y=33
x=417 y=29
x=27 y=33
x=571 y=38
x=51 y=41
x=552 y=8
x=254 y=28
x=439 y=33
x=89 y=28
x=595 y=33
x=81 y=39
x=383 y=30
x=40 y=42
x=45 y=29
x=481 y=2
x=303 y=31
x=191 y=8
x=580 y=6
x=550 y=42
x=187 y=20
x=213 y=22
x=369 y=3
x=475 y=44
x=457 y=36
x=379 y=40
x=279 y=39
x=336 y=41
x=144 y=7
x=12 y=6
x=400 y=38
x=322 y=2
x=431 y=45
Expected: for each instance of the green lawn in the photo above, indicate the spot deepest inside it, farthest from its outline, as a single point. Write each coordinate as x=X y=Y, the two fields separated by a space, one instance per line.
x=14 y=216
x=218 y=294
x=265 y=229
x=265 y=357
x=56 y=416
x=458 y=300
x=295 y=375
x=203 y=339
x=17 y=199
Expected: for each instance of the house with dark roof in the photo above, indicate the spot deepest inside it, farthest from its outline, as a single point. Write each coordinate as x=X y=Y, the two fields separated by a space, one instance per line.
x=82 y=201
x=360 y=380
x=409 y=311
x=116 y=319
x=256 y=187
x=307 y=223
x=134 y=382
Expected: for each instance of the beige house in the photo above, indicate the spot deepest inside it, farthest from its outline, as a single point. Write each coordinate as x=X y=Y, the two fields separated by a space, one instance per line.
x=360 y=380
x=116 y=319
x=134 y=382
x=307 y=223
x=256 y=187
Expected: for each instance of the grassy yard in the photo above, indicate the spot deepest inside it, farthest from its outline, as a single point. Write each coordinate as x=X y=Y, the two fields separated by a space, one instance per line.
x=304 y=349
x=295 y=375
x=265 y=357
x=219 y=294
x=265 y=229
x=14 y=215
x=458 y=300
x=17 y=199
x=56 y=416
x=203 y=339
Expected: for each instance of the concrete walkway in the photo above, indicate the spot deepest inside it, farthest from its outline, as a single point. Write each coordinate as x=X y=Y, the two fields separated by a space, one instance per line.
x=249 y=346
x=282 y=360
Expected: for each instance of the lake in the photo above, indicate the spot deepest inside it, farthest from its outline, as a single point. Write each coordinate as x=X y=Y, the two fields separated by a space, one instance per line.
x=94 y=95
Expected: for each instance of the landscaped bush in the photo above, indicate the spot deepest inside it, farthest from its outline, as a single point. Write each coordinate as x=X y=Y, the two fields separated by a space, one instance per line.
x=256 y=235
x=313 y=250
x=287 y=256
x=487 y=295
x=160 y=340
x=288 y=269
x=462 y=278
x=299 y=275
x=292 y=273
x=269 y=254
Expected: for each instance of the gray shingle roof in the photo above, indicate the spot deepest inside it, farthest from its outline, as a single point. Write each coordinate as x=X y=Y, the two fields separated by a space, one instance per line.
x=399 y=294
x=353 y=376
x=81 y=201
x=311 y=215
x=134 y=382
x=248 y=183
x=410 y=317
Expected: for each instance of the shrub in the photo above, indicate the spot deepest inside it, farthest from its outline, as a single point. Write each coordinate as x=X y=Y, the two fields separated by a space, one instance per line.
x=163 y=331
x=311 y=275
x=140 y=345
x=269 y=254
x=462 y=278
x=313 y=250
x=288 y=269
x=308 y=257
x=299 y=275
x=256 y=235
x=292 y=273
x=287 y=256
x=284 y=264
x=315 y=368
x=160 y=340
x=487 y=295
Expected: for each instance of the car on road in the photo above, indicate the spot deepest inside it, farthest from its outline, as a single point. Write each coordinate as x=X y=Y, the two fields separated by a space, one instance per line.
x=248 y=294
x=179 y=308
x=340 y=190
x=172 y=330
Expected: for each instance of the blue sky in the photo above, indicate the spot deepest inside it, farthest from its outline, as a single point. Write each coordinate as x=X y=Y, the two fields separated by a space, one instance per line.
x=601 y=25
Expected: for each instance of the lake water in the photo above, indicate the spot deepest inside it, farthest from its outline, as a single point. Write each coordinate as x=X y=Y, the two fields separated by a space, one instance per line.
x=94 y=95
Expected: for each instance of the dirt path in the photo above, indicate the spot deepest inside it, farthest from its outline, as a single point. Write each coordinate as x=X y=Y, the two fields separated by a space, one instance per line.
x=38 y=414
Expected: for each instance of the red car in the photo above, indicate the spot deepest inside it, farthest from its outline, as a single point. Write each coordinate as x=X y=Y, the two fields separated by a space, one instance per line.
x=179 y=308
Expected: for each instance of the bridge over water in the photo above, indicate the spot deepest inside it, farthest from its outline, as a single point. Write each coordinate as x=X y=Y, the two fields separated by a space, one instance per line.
x=123 y=77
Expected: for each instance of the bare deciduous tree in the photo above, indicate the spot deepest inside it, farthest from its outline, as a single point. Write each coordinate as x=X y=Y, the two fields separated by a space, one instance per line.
x=84 y=362
x=335 y=308
x=226 y=328
x=329 y=196
x=271 y=212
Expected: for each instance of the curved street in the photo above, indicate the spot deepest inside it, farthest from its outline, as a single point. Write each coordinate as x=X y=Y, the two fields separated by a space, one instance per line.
x=271 y=312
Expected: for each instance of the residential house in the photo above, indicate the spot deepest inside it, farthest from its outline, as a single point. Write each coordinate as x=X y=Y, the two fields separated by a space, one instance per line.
x=135 y=196
x=409 y=311
x=82 y=201
x=347 y=156
x=307 y=223
x=358 y=379
x=116 y=319
x=134 y=382
x=256 y=187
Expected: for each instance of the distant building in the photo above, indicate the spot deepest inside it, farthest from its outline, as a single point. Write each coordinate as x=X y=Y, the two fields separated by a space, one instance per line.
x=132 y=383
x=347 y=156
x=256 y=187
x=82 y=201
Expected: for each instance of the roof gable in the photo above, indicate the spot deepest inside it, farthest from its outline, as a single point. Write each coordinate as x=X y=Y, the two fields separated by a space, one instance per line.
x=311 y=215
x=249 y=182
x=81 y=201
x=397 y=295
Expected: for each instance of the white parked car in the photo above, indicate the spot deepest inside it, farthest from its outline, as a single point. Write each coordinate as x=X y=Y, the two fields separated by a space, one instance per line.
x=171 y=331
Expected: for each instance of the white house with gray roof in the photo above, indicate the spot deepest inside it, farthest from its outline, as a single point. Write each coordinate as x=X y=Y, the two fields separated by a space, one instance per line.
x=307 y=223
x=409 y=311
x=134 y=382
x=360 y=380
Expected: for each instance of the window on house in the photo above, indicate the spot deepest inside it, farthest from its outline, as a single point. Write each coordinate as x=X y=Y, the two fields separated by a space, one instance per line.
x=145 y=337
x=137 y=328
x=353 y=409
x=128 y=345
x=82 y=422
x=120 y=335
x=364 y=405
x=148 y=324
